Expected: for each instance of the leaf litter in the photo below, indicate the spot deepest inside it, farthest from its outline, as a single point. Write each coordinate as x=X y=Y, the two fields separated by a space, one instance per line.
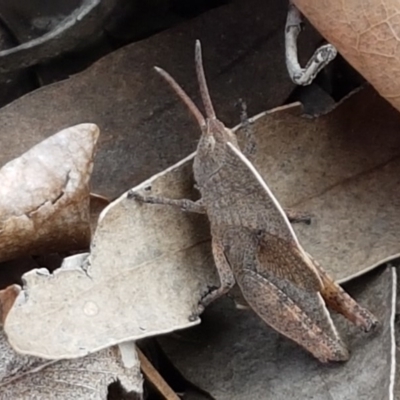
x=322 y=167
x=144 y=129
x=136 y=281
x=25 y=377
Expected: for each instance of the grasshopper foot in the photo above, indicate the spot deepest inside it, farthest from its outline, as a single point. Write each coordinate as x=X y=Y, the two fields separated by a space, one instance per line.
x=209 y=296
x=298 y=216
x=206 y=299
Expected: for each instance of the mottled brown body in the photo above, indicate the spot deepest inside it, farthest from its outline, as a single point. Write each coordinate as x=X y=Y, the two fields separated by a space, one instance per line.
x=254 y=244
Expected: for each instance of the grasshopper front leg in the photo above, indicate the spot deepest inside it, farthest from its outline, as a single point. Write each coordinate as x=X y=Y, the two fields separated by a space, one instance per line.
x=198 y=207
x=226 y=277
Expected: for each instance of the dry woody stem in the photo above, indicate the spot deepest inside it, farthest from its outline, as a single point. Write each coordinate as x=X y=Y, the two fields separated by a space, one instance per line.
x=319 y=60
x=155 y=378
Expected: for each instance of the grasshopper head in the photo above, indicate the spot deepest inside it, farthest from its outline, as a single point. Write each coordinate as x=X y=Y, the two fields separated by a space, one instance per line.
x=211 y=149
x=212 y=145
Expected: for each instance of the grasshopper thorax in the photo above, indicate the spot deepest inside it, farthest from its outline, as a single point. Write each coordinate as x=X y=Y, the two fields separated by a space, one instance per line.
x=211 y=149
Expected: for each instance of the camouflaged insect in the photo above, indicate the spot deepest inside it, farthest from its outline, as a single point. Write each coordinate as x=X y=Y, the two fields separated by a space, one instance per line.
x=254 y=244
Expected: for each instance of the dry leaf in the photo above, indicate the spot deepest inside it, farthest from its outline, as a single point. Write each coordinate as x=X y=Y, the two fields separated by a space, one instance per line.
x=343 y=169
x=7 y=299
x=233 y=355
x=143 y=128
x=366 y=33
x=29 y=378
x=150 y=264
x=138 y=281
x=11 y=271
x=44 y=195
x=97 y=204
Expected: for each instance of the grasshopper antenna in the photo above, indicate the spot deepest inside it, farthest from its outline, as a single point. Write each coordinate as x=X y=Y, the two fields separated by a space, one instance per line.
x=205 y=95
x=184 y=97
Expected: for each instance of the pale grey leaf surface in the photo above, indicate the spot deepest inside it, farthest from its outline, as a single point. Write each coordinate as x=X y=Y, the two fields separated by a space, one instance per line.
x=341 y=168
x=145 y=275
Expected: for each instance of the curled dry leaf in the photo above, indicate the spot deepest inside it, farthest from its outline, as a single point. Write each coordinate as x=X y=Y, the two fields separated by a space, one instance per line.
x=88 y=378
x=44 y=195
x=150 y=264
x=366 y=33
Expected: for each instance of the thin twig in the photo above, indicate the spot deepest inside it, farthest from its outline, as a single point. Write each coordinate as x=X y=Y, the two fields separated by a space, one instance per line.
x=155 y=378
x=249 y=149
x=319 y=60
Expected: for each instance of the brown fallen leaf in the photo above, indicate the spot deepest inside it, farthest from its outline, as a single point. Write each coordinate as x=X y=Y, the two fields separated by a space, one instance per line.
x=233 y=355
x=88 y=378
x=11 y=271
x=97 y=204
x=366 y=33
x=396 y=386
x=7 y=299
x=44 y=195
x=149 y=264
x=143 y=129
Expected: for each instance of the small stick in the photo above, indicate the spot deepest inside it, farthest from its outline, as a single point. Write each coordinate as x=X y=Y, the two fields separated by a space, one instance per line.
x=155 y=378
x=319 y=60
x=249 y=149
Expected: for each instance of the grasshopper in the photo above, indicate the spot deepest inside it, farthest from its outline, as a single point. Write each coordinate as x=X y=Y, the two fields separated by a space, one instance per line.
x=253 y=242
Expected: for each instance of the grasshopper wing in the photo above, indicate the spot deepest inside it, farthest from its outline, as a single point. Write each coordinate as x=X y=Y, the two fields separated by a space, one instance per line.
x=279 y=251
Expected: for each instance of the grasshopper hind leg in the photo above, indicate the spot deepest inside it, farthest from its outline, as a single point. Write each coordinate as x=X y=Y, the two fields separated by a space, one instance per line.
x=338 y=300
x=282 y=314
